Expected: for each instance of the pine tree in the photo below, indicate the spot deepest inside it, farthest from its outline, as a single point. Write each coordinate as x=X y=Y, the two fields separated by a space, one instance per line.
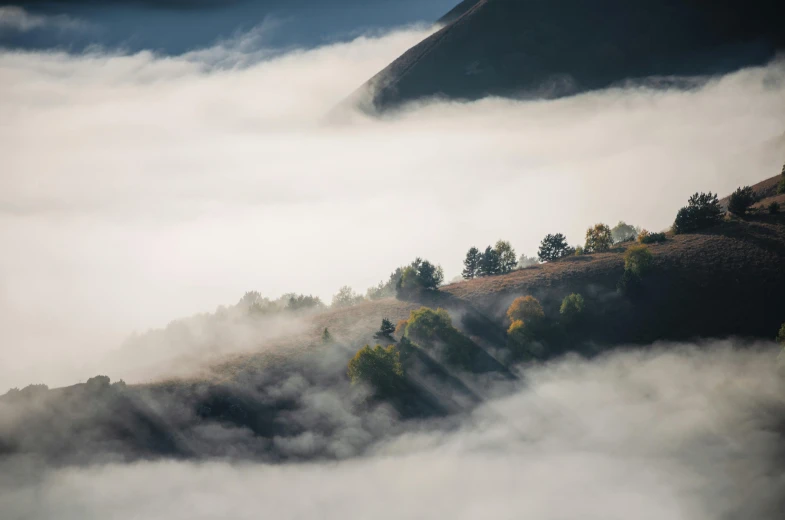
x=472 y=264
x=386 y=330
x=490 y=264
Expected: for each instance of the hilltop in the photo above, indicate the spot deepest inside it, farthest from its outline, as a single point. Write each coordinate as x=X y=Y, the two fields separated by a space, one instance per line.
x=531 y=48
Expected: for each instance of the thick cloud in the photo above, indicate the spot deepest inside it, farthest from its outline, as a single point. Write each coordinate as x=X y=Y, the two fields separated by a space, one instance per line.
x=682 y=432
x=139 y=188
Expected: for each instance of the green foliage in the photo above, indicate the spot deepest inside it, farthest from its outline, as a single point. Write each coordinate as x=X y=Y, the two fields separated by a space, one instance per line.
x=598 y=239
x=490 y=264
x=471 y=264
x=346 y=297
x=579 y=251
x=554 y=247
x=645 y=237
x=302 y=302
x=326 y=336
x=379 y=367
x=703 y=210
x=638 y=260
x=428 y=325
x=741 y=200
x=386 y=330
x=781 y=335
x=572 y=308
x=522 y=342
x=420 y=275
x=526 y=309
x=774 y=207
x=507 y=257
x=623 y=232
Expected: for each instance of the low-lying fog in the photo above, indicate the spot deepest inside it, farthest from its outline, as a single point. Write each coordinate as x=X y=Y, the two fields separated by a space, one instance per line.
x=678 y=432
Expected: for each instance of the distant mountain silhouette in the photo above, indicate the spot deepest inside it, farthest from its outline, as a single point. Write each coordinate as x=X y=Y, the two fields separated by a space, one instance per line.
x=551 y=48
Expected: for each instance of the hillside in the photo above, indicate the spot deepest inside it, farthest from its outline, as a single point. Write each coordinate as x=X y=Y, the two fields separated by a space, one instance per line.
x=549 y=49
x=291 y=399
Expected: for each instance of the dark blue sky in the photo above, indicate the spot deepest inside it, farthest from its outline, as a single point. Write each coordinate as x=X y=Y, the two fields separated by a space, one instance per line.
x=176 y=26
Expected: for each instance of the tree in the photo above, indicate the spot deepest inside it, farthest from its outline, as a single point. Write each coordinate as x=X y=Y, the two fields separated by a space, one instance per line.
x=781 y=335
x=598 y=239
x=741 y=200
x=522 y=342
x=491 y=263
x=471 y=264
x=526 y=309
x=554 y=247
x=645 y=237
x=774 y=207
x=623 y=232
x=638 y=260
x=385 y=289
x=781 y=185
x=346 y=297
x=301 y=302
x=326 y=336
x=572 y=307
x=425 y=324
x=420 y=275
x=702 y=210
x=386 y=330
x=527 y=261
x=379 y=367
x=507 y=257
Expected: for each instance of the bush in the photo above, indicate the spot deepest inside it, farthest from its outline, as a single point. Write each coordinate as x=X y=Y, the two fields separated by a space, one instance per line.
x=419 y=275
x=638 y=260
x=774 y=207
x=554 y=247
x=98 y=383
x=572 y=307
x=741 y=200
x=579 y=251
x=598 y=239
x=702 y=210
x=379 y=367
x=428 y=325
x=645 y=237
x=386 y=330
x=522 y=342
x=526 y=309
x=623 y=232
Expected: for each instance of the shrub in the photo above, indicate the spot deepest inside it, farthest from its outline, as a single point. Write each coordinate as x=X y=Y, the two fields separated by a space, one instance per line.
x=623 y=232
x=98 y=383
x=522 y=342
x=386 y=330
x=380 y=367
x=507 y=257
x=645 y=237
x=638 y=260
x=741 y=200
x=702 y=210
x=400 y=327
x=471 y=264
x=554 y=247
x=572 y=307
x=526 y=309
x=428 y=325
x=774 y=207
x=579 y=251
x=598 y=239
